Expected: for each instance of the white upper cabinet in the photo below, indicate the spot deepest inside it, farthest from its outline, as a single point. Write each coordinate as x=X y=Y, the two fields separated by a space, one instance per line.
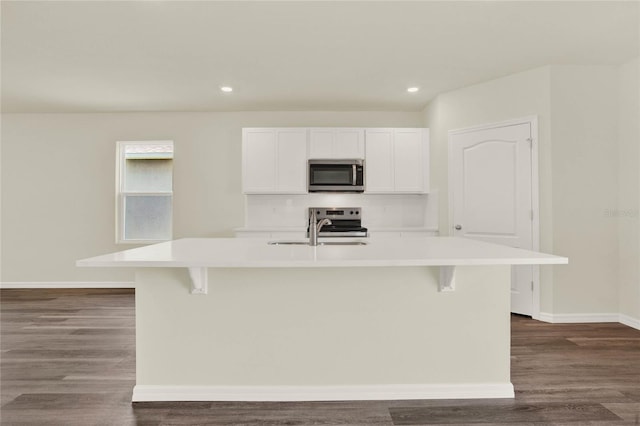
x=258 y=160
x=379 y=167
x=340 y=143
x=397 y=161
x=411 y=160
x=291 y=161
x=274 y=161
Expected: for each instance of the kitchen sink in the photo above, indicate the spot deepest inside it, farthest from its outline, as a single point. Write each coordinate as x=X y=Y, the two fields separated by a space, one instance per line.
x=325 y=243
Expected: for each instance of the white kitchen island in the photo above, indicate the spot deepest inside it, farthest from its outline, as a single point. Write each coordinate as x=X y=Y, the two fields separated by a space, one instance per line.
x=240 y=320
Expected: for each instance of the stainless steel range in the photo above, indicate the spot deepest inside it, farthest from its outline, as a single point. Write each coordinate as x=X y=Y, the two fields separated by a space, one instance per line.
x=345 y=221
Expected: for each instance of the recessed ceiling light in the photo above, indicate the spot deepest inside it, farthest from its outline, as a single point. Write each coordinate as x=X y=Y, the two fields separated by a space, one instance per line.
x=226 y=89
x=413 y=89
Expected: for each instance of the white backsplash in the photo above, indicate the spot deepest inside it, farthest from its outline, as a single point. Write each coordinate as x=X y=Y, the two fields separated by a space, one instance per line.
x=378 y=211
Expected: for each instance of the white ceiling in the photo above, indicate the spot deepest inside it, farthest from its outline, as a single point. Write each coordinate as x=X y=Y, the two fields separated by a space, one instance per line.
x=90 y=56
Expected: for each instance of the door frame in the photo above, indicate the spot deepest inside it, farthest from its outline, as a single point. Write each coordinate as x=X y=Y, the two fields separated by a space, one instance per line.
x=535 y=187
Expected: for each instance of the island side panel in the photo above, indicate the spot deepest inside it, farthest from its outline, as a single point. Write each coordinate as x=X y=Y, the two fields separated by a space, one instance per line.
x=323 y=327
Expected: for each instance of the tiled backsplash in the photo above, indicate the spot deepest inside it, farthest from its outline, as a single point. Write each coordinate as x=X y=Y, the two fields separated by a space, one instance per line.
x=378 y=211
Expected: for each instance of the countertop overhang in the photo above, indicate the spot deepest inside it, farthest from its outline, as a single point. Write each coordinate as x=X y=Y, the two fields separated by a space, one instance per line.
x=199 y=254
x=257 y=253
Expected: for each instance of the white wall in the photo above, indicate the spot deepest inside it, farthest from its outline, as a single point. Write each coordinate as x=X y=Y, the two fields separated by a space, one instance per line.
x=579 y=123
x=628 y=213
x=58 y=180
x=515 y=96
x=584 y=166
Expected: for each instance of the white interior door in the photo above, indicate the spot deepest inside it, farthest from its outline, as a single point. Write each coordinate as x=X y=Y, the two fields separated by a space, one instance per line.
x=490 y=182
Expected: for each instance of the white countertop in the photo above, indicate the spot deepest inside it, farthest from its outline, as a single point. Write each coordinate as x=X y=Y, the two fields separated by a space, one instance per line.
x=271 y=229
x=256 y=253
x=304 y=229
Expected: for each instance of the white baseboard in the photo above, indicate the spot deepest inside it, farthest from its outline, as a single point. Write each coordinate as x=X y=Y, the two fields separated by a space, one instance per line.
x=143 y=393
x=589 y=318
x=576 y=318
x=630 y=321
x=67 y=284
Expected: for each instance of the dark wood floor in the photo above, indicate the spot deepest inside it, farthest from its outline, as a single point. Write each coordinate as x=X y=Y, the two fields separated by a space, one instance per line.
x=68 y=358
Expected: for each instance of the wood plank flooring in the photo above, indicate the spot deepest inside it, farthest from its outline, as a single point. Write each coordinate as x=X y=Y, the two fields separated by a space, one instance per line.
x=67 y=357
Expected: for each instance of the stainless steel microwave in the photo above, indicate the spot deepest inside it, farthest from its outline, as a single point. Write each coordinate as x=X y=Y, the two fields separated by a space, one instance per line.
x=336 y=175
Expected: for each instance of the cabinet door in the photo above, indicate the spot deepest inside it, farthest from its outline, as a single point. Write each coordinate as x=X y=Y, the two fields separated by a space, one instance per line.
x=321 y=143
x=349 y=144
x=379 y=165
x=258 y=160
x=336 y=143
x=408 y=158
x=291 y=164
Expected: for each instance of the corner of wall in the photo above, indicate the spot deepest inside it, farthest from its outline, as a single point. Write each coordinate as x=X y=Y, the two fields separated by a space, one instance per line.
x=628 y=208
x=584 y=164
x=438 y=155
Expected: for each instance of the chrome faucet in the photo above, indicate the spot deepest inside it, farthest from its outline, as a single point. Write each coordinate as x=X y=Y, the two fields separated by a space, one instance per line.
x=315 y=226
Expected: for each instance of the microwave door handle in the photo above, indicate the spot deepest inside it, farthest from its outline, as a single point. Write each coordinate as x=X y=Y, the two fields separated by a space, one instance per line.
x=354 y=179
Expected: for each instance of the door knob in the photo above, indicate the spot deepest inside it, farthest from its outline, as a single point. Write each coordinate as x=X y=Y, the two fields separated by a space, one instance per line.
x=458 y=227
